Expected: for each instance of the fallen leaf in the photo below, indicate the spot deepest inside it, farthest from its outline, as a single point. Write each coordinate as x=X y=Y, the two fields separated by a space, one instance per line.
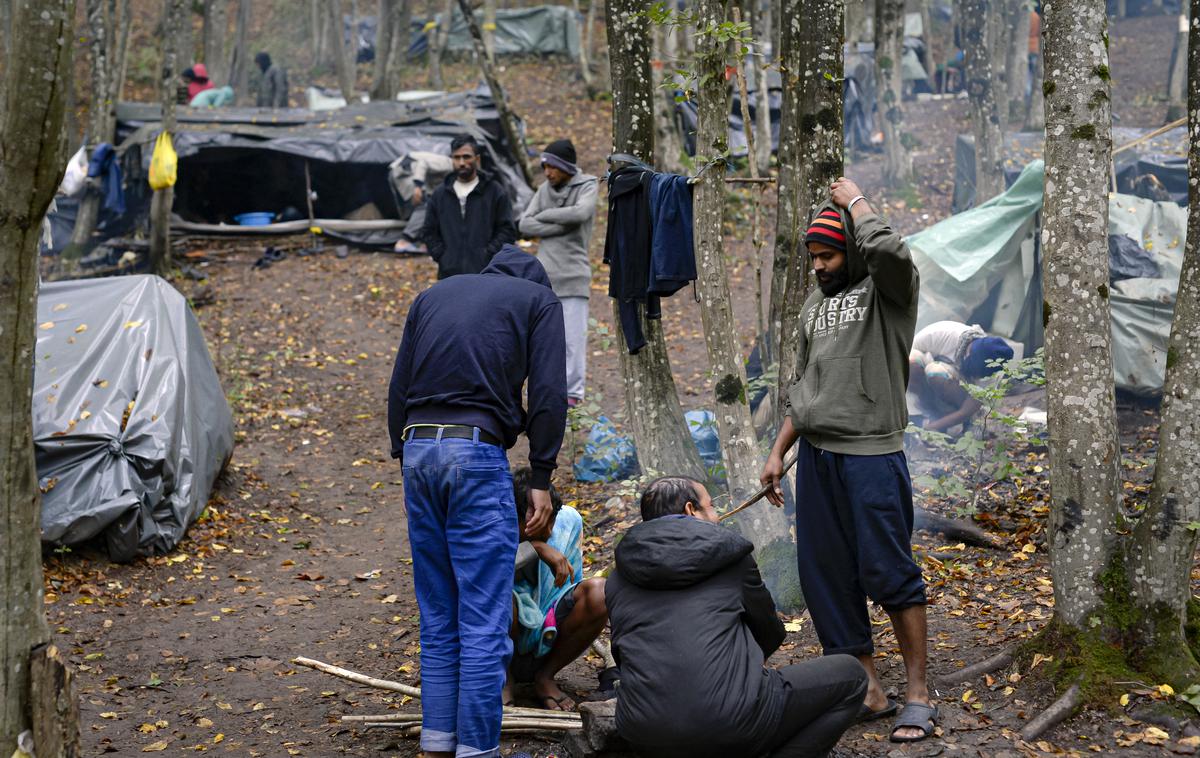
x=155 y=747
x=78 y=329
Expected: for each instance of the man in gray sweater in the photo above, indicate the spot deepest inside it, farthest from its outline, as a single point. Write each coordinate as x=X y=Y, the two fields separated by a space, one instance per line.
x=561 y=214
x=846 y=411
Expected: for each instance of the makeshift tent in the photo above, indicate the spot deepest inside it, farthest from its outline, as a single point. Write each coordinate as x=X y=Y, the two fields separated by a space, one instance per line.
x=130 y=424
x=240 y=160
x=540 y=30
x=983 y=266
x=1155 y=169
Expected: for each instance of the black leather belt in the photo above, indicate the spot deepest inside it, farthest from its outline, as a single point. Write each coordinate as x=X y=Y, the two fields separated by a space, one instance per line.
x=454 y=432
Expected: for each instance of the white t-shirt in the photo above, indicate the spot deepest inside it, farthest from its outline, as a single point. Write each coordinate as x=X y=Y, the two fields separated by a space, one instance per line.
x=462 y=189
x=945 y=339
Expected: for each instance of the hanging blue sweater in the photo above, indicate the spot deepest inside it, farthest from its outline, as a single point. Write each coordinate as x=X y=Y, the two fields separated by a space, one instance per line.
x=470 y=342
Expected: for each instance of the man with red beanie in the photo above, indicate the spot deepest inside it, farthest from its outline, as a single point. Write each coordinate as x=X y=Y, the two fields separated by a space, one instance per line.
x=847 y=413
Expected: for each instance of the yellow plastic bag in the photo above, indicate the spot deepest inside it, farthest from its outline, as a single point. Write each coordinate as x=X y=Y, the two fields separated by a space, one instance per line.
x=163 y=163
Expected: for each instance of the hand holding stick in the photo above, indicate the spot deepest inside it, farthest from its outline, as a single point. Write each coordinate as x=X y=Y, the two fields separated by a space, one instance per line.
x=761 y=493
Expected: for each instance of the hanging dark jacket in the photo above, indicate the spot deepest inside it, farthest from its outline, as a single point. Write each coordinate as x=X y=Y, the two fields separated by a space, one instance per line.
x=672 y=253
x=105 y=166
x=464 y=243
x=692 y=624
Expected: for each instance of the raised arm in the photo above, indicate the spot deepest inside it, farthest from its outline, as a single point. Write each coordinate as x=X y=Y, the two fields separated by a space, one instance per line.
x=889 y=261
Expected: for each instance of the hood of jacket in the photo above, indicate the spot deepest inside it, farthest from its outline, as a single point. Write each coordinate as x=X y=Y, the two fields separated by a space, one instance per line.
x=672 y=552
x=200 y=72
x=511 y=260
x=856 y=263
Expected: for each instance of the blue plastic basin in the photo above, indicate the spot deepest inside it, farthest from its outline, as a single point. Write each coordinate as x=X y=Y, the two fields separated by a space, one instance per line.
x=257 y=218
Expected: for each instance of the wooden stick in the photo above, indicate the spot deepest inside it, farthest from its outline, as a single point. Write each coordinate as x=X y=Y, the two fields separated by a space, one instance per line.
x=354 y=676
x=509 y=710
x=995 y=663
x=750 y=180
x=1151 y=135
x=505 y=726
x=758 y=495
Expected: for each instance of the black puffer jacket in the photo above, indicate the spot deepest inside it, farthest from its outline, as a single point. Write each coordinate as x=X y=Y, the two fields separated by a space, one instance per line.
x=692 y=624
x=465 y=243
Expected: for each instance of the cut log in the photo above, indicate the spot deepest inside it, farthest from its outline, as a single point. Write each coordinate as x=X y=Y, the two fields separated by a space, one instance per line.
x=55 y=709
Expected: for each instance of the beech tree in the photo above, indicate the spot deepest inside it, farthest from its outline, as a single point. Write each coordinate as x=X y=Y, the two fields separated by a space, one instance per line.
x=108 y=40
x=810 y=156
x=1177 y=72
x=1122 y=580
x=391 y=47
x=343 y=63
x=652 y=407
x=889 y=84
x=438 y=34
x=37 y=74
x=216 y=31
x=239 y=56
x=160 y=204
x=972 y=16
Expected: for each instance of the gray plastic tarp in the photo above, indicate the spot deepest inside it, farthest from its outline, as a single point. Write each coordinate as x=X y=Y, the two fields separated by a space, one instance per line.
x=131 y=427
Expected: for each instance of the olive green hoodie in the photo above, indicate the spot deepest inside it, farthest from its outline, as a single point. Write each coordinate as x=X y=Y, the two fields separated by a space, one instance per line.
x=852 y=366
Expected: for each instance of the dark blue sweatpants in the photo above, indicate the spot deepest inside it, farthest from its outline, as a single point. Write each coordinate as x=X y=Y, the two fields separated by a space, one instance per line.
x=854 y=521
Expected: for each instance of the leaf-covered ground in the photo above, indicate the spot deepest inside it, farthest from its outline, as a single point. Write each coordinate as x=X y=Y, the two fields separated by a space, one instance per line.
x=303 y=551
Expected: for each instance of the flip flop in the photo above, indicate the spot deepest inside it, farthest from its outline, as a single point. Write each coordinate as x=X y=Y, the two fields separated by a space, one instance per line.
x=917 y=716
x=559 y=703
x=865 y=714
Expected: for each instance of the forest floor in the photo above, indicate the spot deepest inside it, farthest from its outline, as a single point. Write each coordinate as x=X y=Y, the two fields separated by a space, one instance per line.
x=304 y=550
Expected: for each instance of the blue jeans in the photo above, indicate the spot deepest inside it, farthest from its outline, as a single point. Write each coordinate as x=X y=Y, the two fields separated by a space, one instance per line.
x=462 y=528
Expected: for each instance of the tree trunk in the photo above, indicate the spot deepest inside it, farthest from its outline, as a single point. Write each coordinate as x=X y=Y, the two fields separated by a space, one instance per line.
x=668 y=156
x=810 y=158
x=762 y=114
x=585 y=40
x=1163 y=546
x=585 y=66
x=1018 y=62
x=341 y=60
x=889 y=83
x=931 y=49
x=985 y=114
x=1177 y=74
x=316 y=38
x=161 y=259
x=652 y=407
x=856 y=21
x=401 y=39
x=766 y=525
x=997 y=34
x=239 y=65
x=1084 y=451
x=508 y=121
x=437 y=34
x=383 y=48
x=101 y=124
x=118 y=58
x=489 y=29
x=32 y=151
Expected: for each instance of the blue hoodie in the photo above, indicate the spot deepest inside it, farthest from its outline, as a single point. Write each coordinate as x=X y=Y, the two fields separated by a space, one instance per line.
x=470 y=342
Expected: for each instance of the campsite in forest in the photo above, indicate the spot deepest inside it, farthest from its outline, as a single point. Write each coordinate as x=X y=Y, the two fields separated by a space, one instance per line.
x=606 y=378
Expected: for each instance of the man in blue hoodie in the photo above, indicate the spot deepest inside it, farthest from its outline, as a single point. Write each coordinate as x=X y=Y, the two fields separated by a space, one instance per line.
x=454 y=406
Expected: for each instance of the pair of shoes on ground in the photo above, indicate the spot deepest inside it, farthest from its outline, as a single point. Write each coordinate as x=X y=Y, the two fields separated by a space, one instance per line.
x=916 y=715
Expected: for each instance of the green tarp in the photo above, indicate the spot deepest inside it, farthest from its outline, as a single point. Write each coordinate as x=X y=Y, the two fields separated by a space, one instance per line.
x=983 y=266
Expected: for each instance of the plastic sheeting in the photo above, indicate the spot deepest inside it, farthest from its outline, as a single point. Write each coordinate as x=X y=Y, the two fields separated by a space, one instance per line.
x=131 y=427
x=983 y=266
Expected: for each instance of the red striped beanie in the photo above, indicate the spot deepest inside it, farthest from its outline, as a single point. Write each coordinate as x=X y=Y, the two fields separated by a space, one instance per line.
x=827 y=229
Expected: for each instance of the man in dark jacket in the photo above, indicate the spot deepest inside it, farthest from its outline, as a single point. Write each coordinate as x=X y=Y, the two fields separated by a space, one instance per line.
x=469 y=217
x=846 y=413
x=454 y=406
x=273 y=86
x=692 y=625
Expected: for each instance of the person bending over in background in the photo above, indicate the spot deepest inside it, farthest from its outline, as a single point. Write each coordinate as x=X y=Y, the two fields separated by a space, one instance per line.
x=945 y=354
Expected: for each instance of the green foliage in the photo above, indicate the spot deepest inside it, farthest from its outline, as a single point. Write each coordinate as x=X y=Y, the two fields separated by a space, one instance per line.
x=984 y=450
x=603 y=333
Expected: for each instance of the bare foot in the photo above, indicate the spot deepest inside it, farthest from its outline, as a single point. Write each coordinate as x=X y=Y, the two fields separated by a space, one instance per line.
x=551 y=697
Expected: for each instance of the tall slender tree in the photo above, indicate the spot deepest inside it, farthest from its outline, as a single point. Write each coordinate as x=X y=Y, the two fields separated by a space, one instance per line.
x=810 y=156
x=972 y=17
x=652 y=407
x=32 y=151
x=160 y=204
x=343 y=62
x=889 y=84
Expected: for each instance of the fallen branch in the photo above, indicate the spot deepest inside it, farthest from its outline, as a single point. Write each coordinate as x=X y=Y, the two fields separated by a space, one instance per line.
x=1058 y=712
x=509 y=710
x=966 y=674
x=354 y=676
x=508 y=725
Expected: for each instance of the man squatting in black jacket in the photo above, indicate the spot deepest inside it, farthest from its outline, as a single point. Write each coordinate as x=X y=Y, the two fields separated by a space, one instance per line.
x=469 y=217
x=692 y=625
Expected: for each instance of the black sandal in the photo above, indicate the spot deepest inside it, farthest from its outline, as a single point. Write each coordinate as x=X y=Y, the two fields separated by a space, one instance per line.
x=918 y=716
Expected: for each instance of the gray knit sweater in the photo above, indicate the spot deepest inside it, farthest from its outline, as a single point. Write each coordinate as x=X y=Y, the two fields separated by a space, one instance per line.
x=563 y=218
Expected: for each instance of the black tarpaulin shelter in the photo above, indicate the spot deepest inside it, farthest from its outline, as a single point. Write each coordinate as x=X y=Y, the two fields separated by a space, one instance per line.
x=130 y=424
x=242 y=160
